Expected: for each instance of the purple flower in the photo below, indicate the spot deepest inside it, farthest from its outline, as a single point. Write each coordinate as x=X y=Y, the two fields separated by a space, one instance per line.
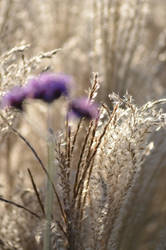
x=14 y=98
x=82 y=107
x=48 y=87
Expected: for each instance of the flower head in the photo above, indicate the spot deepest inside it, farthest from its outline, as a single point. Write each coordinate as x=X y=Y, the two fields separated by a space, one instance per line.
x=48 y=87
x=14 y=98
x=82 y=107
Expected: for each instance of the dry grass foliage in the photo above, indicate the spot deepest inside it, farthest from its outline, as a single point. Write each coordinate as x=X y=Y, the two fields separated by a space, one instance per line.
x=97 y=166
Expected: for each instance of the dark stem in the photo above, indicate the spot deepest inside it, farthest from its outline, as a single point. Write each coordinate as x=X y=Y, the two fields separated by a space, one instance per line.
x=36 y=191
x=19 y=206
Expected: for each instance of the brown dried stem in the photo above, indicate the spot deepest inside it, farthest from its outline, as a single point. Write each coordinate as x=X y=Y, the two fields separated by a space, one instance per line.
x=19 y=206
x=36 y=191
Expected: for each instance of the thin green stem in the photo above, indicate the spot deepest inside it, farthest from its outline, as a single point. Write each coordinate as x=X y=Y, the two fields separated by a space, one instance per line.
x=49 y=190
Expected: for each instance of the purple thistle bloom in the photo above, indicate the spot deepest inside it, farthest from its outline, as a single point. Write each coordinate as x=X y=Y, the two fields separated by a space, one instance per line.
x=82 y=107
x=48 y=87
x=14 y=98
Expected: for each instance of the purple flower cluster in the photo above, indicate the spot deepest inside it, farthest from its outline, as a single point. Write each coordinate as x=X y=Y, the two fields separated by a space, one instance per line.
x=49 y=87
x=14 y=98
x=82 y=107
